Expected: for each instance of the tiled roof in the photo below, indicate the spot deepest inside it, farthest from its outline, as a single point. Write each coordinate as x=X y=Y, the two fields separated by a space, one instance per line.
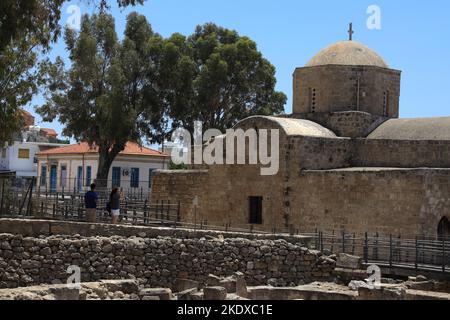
x=84 y=148
x=50 y=132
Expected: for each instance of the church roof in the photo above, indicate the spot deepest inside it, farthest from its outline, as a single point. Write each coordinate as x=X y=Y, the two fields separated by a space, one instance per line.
x=296 y=127
x=351 y=53
x=413 y=129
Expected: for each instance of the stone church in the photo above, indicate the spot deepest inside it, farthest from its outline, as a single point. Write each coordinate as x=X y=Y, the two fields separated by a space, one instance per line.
x=347 y=162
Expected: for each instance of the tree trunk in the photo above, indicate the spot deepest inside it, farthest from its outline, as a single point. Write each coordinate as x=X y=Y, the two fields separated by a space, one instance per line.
x=104 y=164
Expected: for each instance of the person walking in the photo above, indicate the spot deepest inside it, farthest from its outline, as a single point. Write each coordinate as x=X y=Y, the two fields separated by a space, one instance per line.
x=90 y=202
x=114 y=200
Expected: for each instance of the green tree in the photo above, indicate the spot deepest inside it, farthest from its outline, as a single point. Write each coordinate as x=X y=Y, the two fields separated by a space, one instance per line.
x=110 y=94
x=27 y=30
x=219 y=78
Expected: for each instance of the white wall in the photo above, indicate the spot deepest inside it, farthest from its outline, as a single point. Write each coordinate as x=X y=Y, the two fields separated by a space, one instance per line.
x=23 y=167
x=72 y=162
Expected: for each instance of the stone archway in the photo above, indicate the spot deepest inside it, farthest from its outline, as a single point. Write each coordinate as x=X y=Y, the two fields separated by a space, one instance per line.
x=444 y=229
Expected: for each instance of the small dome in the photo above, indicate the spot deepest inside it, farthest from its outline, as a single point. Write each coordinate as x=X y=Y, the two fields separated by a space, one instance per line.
x=347 y=53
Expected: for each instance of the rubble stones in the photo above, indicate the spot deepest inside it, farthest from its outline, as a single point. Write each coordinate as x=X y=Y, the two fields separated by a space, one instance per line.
x=158 y=261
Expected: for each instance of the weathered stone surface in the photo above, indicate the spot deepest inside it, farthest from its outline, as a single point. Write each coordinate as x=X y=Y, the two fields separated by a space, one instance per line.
x=241 y=285
x=185 y=284
x=214 y=293
x=161 y=293
x=355 y=285
x=187 y=294
x=348 y=261
x=159 y=261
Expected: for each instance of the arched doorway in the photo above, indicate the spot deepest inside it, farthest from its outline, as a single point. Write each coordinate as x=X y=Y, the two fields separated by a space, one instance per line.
x=444 y=229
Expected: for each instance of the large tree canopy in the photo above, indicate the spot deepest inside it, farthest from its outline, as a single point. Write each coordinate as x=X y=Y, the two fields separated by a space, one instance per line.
x=219 y=78
x=27 y=29
x=110 y=95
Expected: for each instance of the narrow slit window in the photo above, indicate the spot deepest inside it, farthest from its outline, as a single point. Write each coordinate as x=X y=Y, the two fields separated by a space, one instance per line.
x=312 y=99
x=255 y=204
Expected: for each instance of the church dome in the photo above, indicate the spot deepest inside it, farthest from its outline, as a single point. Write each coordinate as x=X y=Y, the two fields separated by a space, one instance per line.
x=350 y=53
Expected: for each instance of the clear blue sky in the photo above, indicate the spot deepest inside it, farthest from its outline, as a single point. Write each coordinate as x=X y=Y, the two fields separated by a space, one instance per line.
x=414 y=37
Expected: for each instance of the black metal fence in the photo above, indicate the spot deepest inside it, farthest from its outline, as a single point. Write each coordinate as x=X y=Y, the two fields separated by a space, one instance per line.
x=420 y=253
x=133 y=188
x=19 y=198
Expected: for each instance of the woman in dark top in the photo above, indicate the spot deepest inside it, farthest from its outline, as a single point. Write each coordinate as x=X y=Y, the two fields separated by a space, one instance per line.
x=114 y=200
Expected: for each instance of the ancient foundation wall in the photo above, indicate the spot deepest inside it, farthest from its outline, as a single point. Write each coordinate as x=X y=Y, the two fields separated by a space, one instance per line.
x=156 y=262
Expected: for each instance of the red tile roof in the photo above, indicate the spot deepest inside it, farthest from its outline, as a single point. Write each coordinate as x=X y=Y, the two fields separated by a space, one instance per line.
x=82 y=148
x=28 y=119
x=49 y=132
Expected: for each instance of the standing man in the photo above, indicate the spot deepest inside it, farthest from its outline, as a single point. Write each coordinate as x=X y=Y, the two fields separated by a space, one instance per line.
x=90 y=201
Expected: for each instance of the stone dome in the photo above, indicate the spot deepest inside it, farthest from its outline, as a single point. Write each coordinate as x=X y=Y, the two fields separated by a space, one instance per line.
x=347 y=53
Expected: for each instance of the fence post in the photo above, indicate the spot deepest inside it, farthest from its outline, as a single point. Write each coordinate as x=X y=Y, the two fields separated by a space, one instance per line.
x=416 y=264
x=316 y=240
x=353 y=244
x=145 y=212
x=179 y=212
x=443 y=255
x=343 y=241
x=321 y=241
x=30 y=202
x=168 y=211
x=3 y=192
x=390 y=250
x=366 y=248
x=332 y=242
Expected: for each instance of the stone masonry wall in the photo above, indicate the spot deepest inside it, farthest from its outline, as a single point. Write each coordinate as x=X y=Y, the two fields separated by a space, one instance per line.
x=352 y=124
x=336 y=89
x=156 y=262
x=406 y=202
x=401 y=153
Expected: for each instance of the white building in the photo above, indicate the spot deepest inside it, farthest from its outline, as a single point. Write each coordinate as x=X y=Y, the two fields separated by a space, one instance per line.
x=20 y=155
x=73 y=168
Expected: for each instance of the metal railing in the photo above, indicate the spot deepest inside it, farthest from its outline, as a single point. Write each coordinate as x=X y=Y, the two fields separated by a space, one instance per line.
x=420 y=253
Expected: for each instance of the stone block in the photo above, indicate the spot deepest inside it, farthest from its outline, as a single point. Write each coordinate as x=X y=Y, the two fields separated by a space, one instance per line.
x=214 y=293
x=185 y=284
x=162 y=293
x=348 y=261
x=241 y=285
x=126 y=286
x=212 y=280
x=187 y=295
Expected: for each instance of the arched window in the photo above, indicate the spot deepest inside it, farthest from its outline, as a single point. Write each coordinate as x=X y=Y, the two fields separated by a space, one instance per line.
x=444 y=229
